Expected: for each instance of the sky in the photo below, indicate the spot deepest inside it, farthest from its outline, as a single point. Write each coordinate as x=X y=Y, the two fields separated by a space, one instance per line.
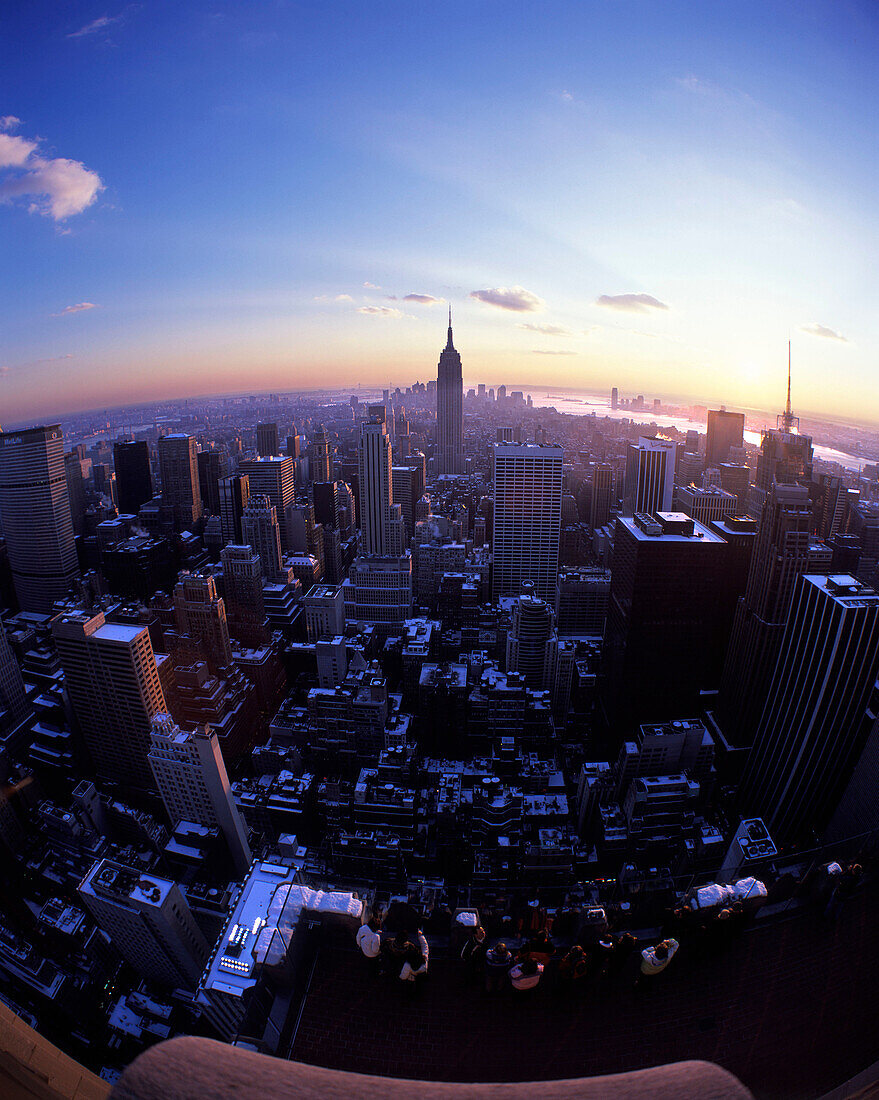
x=257 y=194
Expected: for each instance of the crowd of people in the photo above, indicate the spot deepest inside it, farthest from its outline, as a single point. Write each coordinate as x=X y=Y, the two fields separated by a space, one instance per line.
x=574 y=946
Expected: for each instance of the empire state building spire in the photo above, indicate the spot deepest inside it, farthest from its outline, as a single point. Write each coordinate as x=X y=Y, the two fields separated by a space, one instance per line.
x=449 y=410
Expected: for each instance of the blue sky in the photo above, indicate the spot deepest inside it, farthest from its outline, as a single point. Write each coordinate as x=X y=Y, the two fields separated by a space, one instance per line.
x=214 y=197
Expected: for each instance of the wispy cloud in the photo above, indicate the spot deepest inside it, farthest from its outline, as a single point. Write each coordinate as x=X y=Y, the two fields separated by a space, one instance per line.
x=56 y=187
x=372 y=286
x=380 y=311
x=333 y=298
x=96 y=26
x=547 y=351
x=422 y=299
x=515 y=298
x=630 y=303
x=9 y=122
x=547 y=330
x=80 y=307
x=822 y=330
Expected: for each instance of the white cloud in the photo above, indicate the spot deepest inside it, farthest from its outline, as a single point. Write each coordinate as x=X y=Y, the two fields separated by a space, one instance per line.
x=96 y=26
x=422 y=299
x=9 y=122
x=343 y=298
x=566 y=96
x=545 y=351
x=515 y=298
x=56 y=187
x=380 y=311
x=372 y=286
x=80 y=307
x=547 y=330
x=822 y=330
x=630 y=303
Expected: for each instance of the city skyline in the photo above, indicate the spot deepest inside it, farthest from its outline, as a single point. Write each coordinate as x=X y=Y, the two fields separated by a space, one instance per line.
x=657 y=203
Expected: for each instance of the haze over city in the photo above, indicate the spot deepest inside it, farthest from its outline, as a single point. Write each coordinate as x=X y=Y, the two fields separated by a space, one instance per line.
x=215 y=197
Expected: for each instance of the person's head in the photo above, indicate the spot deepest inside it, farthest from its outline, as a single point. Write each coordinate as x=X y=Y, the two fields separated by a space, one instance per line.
x=626 y=940
x=577 y=952
x=529 y=966
x=855 y=870
x=401 y=939
x=372 y=924
x=501 y=949
x=479 y=933
x=661 y=950
x=724 y=914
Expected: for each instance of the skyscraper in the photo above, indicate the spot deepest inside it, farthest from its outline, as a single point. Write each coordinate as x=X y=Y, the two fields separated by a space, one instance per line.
x=725 y=430
x=200 y=615
x=449 y=410
x=13 y=698
x=134 y=483
x=178 y=469
x=602 y=495
x=273 y=477
x=36 y=516
x=785 y=455
x=813 y=727
x=260 y=530
x=234 y=495
x=381 y=524
x=213 y=466
x=321 y=462
x=780 y=556
x=113 y=684
x=192 y=780
x=532 y=644
x=668 y=618
x=148 y=921
x=650 y=471
x=267 y=441
x=527 y=518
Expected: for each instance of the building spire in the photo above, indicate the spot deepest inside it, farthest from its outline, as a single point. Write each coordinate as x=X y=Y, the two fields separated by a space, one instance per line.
x=449 y=343
x=788 y=420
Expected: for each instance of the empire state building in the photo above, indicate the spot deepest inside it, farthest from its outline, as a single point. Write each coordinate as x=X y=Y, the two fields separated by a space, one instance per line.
x=449 y=410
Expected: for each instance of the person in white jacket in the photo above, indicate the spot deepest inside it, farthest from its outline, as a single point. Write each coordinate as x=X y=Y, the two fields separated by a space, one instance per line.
x=655 y=959
x=370 y=943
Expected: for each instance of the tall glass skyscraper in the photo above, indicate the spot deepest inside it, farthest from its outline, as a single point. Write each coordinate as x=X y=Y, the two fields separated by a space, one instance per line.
x=36 y=516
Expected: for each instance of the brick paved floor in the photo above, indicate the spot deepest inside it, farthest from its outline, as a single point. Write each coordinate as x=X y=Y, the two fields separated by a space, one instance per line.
x=791 y=1009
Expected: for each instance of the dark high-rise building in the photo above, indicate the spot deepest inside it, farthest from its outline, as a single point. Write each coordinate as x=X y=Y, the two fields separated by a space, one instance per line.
x=665 y=634
x=326 y=503
x=13 y=698
x=134 y=482
x=532 y=644
x=408 y=486
x=380 y=522
x=449 y=410
x=725 y=430
x=267 y=441
x=234 y=495
x=814 y=725
x=200 y=616
x=273 y=477
x=213 y=466
x=178 y=469
x=785 y=455
x=37 y=523
x=75 y=490
x=780 y=556
x=602 y=496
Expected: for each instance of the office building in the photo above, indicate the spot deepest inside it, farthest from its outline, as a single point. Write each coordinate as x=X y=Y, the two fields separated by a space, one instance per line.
x=267 y=441
x=780 y=556
x=113 y=685
x=213 y=467
x=650 y=471
x=134 y=482
x=601 y=500
x=272 y=477
x=192 y=780
x=381 y=522
x=321 y=461
x=37 y=523
x=725 y=430
x=261 y=531
x=408 y=488
x=814 y=725
x=668 y=618
x=148 y=921
x=527 y=518
x=378 y=590
x=785 y=455
x=14 y=708
x=706 y=505
x=234 y=496
x=200 y=616
x=243 y=584
x=324 y=612
x=532 y=643
x=178 y=469
x=581 y=601
x=449 y=410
